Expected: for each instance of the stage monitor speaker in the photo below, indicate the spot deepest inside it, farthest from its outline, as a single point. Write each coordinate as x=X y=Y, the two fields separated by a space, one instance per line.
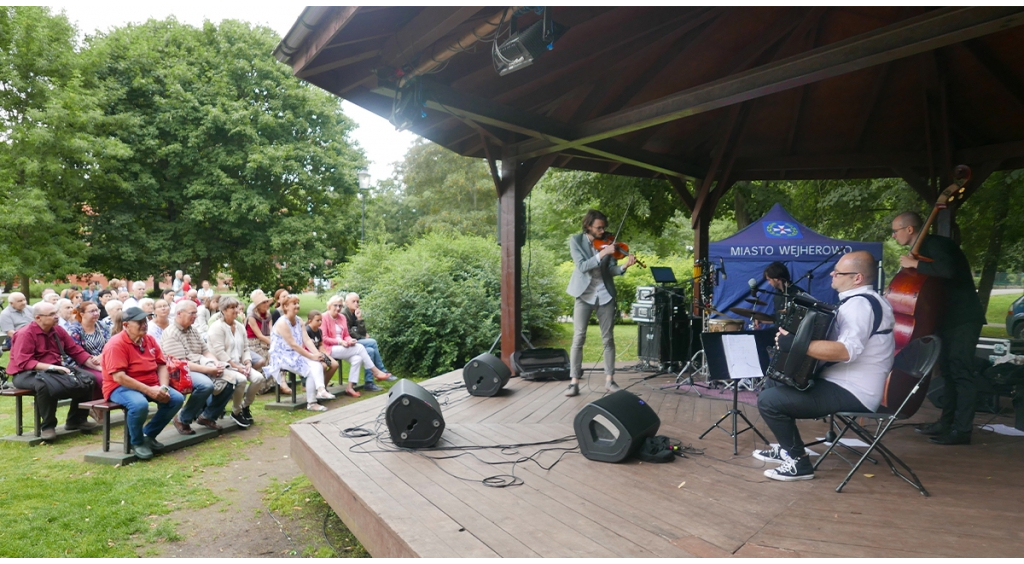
x=486 y=375
x=614 y=427
x=413 y=416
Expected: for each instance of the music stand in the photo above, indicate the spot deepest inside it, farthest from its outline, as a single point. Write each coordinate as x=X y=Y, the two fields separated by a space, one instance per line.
x=726 y=353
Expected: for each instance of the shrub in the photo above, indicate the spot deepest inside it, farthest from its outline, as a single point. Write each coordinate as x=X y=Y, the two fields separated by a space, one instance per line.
x=626 y=285
x=435 y=304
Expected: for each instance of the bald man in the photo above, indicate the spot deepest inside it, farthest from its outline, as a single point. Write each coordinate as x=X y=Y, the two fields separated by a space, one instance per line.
x=16 y=315
x=859 y=354
x=959 y=329
x=37 y=352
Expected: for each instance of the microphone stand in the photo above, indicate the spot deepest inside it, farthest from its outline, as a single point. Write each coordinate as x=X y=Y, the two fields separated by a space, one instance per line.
x=809 y=275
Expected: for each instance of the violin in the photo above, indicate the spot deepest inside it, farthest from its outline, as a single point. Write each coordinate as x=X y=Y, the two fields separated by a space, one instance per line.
x=621 y=249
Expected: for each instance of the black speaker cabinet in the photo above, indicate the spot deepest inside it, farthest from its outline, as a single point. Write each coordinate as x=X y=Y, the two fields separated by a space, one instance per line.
x=485 y=375
x=612 y=428
x=413 y=416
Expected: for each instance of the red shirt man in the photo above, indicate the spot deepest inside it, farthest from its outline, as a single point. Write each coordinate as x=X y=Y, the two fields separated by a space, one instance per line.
x=138 y=361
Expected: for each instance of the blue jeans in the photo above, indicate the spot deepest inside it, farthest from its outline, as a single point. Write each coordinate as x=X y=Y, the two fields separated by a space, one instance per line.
x=137 y=408
x=202 y=401
x=374 y=351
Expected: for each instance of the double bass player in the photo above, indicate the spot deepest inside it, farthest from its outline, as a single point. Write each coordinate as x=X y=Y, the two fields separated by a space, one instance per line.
x=959 y=328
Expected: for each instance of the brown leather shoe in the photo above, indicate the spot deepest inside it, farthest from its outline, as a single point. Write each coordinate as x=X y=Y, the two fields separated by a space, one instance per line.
x=208 y=423
x=182 y=428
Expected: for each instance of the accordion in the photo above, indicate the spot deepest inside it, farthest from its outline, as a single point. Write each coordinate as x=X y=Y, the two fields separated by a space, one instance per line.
x=807 y=320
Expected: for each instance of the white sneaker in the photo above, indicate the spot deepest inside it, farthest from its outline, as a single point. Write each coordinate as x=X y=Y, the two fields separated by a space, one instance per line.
x=792 y=470
x=315 y=407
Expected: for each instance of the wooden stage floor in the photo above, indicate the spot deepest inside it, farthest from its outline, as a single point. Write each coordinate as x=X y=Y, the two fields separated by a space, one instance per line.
x=715 y=505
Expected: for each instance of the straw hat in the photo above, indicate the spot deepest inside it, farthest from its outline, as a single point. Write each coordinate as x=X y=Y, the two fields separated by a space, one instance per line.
x=257 y=297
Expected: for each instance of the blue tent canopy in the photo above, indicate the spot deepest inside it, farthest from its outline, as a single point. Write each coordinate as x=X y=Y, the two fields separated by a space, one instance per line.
x=779 y=237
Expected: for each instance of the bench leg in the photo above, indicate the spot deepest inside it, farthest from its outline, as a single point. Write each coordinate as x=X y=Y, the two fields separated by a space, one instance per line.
x=18 y=412
x=295 y=386
x=127 y=438
x=277 y=392
x=35 y=417
x=106 y=431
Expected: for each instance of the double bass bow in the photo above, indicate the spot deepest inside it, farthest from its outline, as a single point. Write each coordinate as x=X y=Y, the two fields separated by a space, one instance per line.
x=916 y=298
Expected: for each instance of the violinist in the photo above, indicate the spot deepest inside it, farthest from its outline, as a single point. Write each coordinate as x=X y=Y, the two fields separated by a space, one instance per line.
x=591 y=284
x=959 y=329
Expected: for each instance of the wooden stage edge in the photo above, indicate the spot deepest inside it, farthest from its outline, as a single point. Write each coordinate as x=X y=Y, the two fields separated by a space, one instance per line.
x=401 y=504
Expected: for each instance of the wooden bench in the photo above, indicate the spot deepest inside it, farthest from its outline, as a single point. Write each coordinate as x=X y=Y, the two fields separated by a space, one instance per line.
x=19 y=410
x=293 y=383
x=106 y=407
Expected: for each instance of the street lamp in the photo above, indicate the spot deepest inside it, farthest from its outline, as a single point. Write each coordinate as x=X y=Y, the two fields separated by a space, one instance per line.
x=364 y=188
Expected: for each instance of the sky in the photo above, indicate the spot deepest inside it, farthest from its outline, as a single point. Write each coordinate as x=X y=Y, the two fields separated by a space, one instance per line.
x=381 y=143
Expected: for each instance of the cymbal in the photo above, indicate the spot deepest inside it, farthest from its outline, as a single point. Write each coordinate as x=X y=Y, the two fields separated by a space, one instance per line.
x=755 y=315
x=755 y=301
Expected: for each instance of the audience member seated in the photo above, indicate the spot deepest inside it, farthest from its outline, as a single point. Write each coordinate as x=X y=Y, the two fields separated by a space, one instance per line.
x=340 y=345
x=112 y=307
x=114 y=286
x=65 y=313
x=357 y=329
x=291 y=349
x=87 y=331
x=91 y=292
x=123 y=296
x=168 y=296
x=37 y=356
x=138 y=292
x=279 y=296
x=207 y=309
x=186 y=284
x=160 y=321
x=147 y=305
x=16 y=315
x=206 y=291
x=313 y=321
x=211 y=390
x=227 y=341
x=50 y=297
x=135 y=373
x=257 y=330
x=76 y=297
x=102 y=297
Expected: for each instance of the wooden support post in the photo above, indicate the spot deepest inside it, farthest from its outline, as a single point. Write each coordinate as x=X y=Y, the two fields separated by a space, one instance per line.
x=515 y=184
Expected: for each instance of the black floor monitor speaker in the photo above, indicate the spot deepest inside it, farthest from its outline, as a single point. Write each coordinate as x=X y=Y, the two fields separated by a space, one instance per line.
x=485 y=375
x=413 y=416
x=614 y=427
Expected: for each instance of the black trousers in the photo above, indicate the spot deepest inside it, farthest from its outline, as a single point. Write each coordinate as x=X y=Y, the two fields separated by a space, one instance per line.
x=781 y=406
x=47 y=404
x=956 y=364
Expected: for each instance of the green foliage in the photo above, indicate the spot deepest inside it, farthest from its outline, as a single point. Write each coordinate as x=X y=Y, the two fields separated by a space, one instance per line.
x=433 y=189
x=435 y=304
x=233 y=160
x=625 y=285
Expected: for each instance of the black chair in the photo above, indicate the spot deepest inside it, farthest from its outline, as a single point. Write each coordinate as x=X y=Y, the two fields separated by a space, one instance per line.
x=904 y=394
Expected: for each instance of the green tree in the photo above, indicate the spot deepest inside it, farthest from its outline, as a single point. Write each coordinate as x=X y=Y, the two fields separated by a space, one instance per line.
x=235 y=163
x=51 y=149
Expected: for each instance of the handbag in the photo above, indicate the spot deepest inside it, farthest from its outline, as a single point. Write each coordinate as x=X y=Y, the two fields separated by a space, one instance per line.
x=61 y=385
x=180 y=378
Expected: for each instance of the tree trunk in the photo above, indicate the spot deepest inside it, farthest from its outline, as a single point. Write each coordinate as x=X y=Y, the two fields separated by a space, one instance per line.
x=995 y=247
x=740 y=203
x=204 y=272
x=26 y=285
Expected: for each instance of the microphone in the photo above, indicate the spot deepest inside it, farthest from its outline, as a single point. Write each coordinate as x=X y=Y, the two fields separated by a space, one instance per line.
x=721 y=263
x=753 y=287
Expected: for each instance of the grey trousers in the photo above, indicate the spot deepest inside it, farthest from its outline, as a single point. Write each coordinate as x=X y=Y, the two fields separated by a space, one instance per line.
x=606 y=321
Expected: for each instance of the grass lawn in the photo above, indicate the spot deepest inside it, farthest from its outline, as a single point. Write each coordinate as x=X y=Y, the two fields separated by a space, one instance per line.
x=593 y=349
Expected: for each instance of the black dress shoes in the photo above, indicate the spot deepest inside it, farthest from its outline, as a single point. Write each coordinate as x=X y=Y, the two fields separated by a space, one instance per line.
x=953 y=437
x=932 y=429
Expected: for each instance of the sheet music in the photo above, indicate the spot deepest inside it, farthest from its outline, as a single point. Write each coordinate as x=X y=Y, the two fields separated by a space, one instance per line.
x=741 y=356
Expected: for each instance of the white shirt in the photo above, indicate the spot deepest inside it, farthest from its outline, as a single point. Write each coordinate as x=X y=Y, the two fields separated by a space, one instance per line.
x=130 y=302
x=596 y=291
x=871 y=357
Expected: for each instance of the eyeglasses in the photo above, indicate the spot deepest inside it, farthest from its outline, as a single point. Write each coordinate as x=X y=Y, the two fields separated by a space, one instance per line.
x=835 y=273
x=898 y=229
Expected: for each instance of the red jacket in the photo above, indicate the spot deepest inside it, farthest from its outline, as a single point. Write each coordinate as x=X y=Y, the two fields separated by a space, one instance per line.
x=335 y=330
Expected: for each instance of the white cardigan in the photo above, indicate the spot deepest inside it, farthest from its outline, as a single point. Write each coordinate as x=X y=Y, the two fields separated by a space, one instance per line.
x=225 y=346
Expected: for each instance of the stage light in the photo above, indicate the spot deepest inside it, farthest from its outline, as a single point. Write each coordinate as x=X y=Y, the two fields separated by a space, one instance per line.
x=523 y=47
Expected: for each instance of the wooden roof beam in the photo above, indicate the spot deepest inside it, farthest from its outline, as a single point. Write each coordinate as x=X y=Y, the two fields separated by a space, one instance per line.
x=988 y=61
x=934 y=29
x=326 y=30
x=430 y=25
x=444 y=99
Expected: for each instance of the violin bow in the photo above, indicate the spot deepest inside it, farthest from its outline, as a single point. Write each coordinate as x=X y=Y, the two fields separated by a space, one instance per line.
x=618 y=231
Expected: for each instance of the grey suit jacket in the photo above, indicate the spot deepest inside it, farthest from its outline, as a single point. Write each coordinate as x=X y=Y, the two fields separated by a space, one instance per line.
x=588 y=264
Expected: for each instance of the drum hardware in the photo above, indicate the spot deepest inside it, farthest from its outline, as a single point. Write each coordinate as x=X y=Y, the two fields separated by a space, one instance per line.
x=751 y=314
x=756 y=302
x=725 y=325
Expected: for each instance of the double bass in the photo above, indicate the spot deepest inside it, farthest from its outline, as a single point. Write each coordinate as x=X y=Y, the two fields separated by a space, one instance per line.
x=917 y=298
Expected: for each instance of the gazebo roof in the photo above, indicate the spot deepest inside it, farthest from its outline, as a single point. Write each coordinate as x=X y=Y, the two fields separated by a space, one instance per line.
x=760 y=93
